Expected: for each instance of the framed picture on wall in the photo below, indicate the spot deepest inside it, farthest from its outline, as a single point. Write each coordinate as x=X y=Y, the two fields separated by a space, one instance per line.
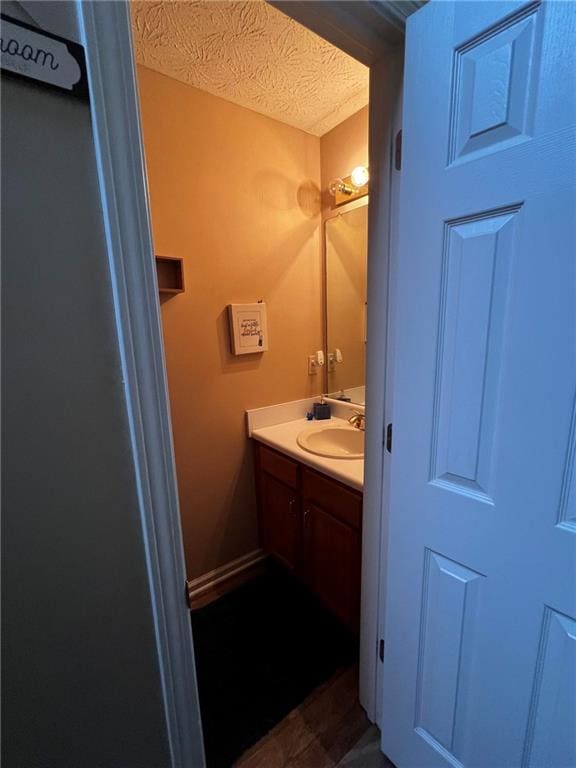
x=248 y=328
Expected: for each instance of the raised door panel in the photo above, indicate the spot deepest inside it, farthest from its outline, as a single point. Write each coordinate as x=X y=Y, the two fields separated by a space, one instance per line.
x=332 y=563
x=446 y=649
x=551 y=731
x=475 y=270
x=493 y=87
x=567 y=511
x=280 y=521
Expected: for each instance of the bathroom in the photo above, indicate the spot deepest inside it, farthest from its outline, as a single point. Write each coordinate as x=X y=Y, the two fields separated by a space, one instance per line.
x=117 y=652
x=248 y=147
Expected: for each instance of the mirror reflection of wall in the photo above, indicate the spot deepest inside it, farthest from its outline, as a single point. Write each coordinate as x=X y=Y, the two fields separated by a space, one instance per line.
x=346 y=264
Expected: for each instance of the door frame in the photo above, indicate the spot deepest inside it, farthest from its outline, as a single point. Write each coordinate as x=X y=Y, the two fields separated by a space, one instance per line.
x=386 y=81
x=114 y=108
x=106 y=36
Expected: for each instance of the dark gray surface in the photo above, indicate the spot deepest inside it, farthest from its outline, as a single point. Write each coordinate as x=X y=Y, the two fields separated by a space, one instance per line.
x=81 y=683
x=366 y=753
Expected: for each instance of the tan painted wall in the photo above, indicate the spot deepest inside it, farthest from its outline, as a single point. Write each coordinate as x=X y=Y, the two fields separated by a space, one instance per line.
x=236 y=195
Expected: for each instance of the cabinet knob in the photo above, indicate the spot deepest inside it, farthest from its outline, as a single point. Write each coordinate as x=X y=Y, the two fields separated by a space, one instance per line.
x=291 y=506
x=306 y=513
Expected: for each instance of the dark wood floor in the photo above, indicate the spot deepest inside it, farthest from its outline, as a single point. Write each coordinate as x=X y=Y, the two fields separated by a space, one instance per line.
x=327 y=730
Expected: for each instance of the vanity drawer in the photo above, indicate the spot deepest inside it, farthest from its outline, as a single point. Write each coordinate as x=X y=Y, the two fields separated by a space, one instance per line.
x=280 y=467
x=333 y=497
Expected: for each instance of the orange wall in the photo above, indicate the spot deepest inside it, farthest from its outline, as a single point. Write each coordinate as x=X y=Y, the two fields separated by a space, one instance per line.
x=236 y=194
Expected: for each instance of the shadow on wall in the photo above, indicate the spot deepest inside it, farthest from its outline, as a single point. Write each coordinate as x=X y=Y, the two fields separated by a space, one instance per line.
x=278 y=192
x=238 y=505
x=309 y=199
x=327 y=200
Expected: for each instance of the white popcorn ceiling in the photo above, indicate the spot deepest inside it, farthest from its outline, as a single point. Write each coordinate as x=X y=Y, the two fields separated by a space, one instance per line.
x=253 y=55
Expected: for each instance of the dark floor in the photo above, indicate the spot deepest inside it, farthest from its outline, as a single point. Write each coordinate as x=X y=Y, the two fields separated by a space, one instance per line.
x=328 y=730
x=260 y=651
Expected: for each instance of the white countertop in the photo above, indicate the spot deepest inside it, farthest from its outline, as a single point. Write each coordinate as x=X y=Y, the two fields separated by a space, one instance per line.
x=282 y=437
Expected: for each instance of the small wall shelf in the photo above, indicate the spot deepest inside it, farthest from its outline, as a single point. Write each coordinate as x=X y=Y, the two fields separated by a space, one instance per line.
x=170 y=272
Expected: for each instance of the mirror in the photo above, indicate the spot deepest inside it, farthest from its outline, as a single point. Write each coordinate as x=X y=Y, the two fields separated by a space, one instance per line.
x=346 y=265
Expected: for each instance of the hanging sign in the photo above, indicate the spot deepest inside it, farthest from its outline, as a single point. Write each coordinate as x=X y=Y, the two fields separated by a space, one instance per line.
x=26 y=51
x=248 y=328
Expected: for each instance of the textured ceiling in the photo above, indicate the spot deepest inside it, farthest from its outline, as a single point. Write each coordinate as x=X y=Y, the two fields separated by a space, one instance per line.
x=251 y=54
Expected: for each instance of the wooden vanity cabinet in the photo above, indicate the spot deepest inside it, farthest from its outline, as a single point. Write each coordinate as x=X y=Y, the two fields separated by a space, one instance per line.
x=311 y=524
x=332 y=523
x=280 y=521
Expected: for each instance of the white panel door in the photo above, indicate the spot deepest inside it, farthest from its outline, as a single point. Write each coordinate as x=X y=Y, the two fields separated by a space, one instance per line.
x=480 y=642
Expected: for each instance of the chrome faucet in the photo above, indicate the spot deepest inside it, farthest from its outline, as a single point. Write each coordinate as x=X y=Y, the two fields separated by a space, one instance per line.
x=358 y=420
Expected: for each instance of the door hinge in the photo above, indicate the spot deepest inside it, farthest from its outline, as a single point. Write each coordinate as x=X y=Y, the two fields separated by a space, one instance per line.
x=381 y=650
x=398 y=151
x=389 y=438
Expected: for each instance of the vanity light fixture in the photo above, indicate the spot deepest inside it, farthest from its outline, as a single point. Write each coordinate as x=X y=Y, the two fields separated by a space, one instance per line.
x=339 y=186
x=350 y=187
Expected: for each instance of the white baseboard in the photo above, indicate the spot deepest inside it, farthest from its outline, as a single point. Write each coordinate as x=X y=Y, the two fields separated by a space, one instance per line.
x=199 y=586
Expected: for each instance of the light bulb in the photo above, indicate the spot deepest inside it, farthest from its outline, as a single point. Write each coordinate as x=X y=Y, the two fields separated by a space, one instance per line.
x=360 y=176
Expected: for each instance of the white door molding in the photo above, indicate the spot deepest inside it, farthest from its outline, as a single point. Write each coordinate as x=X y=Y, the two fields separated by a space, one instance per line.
x=385 y=93
x=120 y=161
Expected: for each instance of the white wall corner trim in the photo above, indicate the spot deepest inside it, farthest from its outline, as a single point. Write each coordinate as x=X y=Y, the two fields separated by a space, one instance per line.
x=385 y=86
x=197 y=587
x=120 y=161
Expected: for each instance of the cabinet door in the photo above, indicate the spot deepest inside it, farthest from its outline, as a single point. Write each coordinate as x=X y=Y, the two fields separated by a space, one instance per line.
x=280 y=521
x=332 y=563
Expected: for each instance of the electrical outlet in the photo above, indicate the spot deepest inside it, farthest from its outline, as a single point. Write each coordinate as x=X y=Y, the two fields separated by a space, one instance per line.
x=312 y=365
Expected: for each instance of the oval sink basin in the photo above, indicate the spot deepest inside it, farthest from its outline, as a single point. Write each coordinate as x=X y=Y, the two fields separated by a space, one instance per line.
x=333 y=442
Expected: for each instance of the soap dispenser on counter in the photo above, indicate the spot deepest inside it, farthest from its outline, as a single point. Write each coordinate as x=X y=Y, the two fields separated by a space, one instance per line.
x=321 y=410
